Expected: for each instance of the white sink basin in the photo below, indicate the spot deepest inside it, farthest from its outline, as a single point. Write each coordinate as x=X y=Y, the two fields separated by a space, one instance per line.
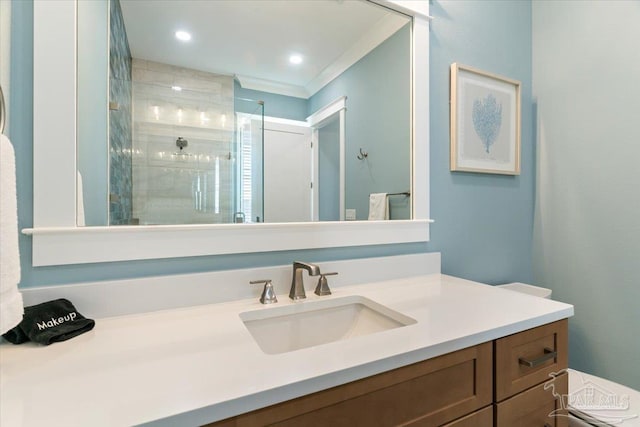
x=307 y=324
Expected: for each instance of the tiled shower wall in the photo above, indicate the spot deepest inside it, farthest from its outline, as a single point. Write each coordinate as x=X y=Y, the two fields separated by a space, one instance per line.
x=120 y=97
x=193 y=185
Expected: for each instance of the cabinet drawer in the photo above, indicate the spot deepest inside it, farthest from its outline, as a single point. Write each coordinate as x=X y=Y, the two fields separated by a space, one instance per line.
x=536 y=407
x=429 y=393
x=481 y=418
x=527 y=358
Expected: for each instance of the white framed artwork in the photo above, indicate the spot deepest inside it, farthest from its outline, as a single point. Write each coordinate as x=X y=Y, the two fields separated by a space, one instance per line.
x=485 y=122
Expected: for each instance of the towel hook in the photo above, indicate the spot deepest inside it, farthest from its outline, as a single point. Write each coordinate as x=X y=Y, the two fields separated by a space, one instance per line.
x=363 y=154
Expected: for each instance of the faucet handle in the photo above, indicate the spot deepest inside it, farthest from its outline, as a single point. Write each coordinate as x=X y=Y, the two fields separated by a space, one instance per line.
x=268 y=294
x=323 y=285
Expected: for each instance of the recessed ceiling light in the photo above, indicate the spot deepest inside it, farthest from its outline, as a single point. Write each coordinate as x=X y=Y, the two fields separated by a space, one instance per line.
x=183 y=36
x=295 y=59
x=176 y=88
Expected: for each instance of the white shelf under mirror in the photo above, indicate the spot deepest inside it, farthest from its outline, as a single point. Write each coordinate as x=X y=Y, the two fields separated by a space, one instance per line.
x=58 y=241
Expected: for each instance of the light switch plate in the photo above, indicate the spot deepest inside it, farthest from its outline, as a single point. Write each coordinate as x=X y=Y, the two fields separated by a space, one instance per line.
x=350 y=215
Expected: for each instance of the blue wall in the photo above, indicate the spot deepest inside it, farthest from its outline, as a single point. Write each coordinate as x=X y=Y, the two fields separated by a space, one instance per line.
x=483 y=223
x=282 y=106
x=378 y=94
x=586 y=232
x=378 y=91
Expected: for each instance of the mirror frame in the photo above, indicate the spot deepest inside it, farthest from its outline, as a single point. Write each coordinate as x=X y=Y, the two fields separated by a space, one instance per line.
x=57 y=240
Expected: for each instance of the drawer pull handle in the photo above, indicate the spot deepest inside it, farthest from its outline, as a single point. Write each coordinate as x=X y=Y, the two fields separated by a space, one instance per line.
x=548 y=354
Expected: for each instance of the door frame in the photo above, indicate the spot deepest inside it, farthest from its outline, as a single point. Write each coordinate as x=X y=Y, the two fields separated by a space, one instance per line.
x=336 y=110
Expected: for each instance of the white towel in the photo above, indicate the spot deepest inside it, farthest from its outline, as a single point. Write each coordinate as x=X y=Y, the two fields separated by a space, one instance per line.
x=378 y=206
x=11 y=308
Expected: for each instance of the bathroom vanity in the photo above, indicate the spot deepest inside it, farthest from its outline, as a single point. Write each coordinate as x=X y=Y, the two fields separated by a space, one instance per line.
x=165 y=357
x=456 y=389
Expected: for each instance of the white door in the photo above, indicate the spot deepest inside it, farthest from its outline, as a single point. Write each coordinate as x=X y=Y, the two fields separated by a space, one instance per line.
x=287 y=173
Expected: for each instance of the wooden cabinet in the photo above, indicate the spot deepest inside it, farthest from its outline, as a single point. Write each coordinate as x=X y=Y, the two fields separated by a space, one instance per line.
x=481 y=418
x=453 y=390
x=536 y=407
x=531 y=381
x=529 y=357
x=429 y=393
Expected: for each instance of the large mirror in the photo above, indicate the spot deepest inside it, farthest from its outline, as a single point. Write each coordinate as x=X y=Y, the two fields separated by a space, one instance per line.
x=58 y=108
x=196 y=112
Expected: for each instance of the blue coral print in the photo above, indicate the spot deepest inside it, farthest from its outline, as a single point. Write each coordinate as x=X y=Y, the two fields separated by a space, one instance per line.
x=487 y=119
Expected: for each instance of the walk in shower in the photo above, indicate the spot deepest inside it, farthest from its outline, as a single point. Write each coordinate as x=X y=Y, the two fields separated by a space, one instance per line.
x=196 y=148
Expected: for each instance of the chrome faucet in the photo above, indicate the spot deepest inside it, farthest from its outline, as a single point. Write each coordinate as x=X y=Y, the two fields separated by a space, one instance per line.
x=297 y=283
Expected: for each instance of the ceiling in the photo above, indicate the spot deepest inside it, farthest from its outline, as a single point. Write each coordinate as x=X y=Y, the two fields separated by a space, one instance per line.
x=253 y=39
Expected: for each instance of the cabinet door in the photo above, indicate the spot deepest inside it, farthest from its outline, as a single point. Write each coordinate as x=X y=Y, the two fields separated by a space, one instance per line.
x=429 y=393
x=527 y=358
x=536 y=407
x=481 y=418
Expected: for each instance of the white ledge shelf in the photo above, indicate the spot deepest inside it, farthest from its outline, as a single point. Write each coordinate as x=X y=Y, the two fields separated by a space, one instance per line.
x=80 y=245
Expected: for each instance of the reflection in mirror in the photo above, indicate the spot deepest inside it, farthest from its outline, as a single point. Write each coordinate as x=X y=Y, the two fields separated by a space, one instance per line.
x=230 y=126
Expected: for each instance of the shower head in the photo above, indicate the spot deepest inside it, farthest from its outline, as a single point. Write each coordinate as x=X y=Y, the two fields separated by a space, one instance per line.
x=181 y=143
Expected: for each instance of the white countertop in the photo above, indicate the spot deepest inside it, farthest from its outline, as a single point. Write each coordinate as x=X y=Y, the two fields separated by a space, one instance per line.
x=193 y=365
